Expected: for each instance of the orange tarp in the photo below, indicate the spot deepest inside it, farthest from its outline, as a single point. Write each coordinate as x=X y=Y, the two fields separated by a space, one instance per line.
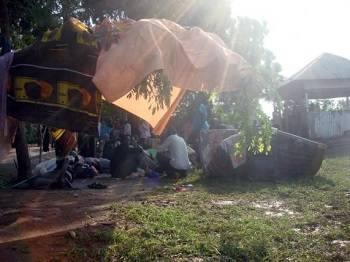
x=140 y=107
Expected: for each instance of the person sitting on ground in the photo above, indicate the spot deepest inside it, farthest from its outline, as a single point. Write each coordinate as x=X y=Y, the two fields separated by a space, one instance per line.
x=126 y=158
x=172 y=155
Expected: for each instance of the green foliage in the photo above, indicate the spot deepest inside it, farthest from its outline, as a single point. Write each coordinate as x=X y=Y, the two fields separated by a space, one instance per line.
x=245 y=112
x=231 y=249
x=329 y=105
x=31 y=133
x=110 y=112
x=156 y=88
x=247 y=39
x=188 y=106
x=242 y=108
x=29 y=19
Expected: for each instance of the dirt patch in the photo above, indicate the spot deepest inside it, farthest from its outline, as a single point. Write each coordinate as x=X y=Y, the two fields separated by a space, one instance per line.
x=42 y=214
x=224 y=203
x=308 y=229
x=337 y=146
x=341 y=243
x=274 y=208
x=8 y=169
x=53 y=247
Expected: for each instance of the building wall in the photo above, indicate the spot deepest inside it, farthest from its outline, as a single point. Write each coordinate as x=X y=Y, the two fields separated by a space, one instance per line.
x=328 y=124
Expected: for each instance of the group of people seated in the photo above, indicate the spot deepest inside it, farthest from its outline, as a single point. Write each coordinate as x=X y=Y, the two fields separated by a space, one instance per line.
x=131 y=146
x=127 y=148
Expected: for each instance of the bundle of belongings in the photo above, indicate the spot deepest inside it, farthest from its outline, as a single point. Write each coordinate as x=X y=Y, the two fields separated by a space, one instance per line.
x=48 y=175
x=290 y=157
x=216 y=156
x=51 y=80
x=127 y=158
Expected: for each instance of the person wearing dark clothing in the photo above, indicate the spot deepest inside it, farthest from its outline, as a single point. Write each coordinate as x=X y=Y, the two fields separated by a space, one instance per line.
x=125 y=158
x=87 y=145
x=65 y=142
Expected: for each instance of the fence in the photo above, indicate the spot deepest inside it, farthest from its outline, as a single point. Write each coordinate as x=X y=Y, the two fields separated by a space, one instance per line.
x=328 y=124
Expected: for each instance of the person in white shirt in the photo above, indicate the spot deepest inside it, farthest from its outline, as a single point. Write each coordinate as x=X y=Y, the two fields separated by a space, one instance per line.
x=172 y=155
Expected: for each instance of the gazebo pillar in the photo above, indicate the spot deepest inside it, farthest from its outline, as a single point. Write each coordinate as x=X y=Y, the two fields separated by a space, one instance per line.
x=306 y=102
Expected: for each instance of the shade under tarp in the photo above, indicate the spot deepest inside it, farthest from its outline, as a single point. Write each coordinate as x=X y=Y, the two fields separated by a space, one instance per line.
x=192 y=59
x=140 y=108
x=327 y=76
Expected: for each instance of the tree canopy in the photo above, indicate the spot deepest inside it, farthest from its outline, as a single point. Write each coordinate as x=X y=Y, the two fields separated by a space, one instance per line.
x=32 y=17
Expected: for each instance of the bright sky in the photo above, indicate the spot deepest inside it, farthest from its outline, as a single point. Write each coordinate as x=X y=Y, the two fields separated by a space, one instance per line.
x=300 y=30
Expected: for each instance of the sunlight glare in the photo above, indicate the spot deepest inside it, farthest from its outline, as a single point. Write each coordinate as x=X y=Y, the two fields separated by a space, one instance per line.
x=299 y=30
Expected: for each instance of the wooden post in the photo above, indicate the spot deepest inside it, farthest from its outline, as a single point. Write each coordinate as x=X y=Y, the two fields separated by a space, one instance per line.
x=22 y=153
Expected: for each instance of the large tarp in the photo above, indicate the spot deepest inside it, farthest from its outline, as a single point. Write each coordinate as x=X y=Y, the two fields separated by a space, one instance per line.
x=191 y=58
x=51 y=81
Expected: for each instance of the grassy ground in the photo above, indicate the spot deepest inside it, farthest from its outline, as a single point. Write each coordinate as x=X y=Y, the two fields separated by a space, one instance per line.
x=306 y=220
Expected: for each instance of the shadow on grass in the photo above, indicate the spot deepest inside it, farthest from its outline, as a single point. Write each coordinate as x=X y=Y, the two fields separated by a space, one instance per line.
x=231 y=250
x=233 y=185
x=333 y=154
x=92 y=244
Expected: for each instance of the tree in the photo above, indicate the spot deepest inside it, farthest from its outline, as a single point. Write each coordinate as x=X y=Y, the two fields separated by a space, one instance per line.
x=243 y=107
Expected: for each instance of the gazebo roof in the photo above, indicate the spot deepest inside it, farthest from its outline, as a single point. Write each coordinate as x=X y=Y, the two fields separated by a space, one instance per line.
x=327 y=76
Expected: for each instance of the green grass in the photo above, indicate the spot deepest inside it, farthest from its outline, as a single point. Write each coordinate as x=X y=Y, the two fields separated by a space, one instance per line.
x=308 y=215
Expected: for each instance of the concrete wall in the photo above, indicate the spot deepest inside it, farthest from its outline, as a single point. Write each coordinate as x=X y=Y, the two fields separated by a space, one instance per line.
x=328 y=124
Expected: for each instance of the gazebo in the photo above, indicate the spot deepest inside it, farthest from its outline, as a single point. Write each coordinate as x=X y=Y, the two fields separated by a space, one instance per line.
x=327 y=76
